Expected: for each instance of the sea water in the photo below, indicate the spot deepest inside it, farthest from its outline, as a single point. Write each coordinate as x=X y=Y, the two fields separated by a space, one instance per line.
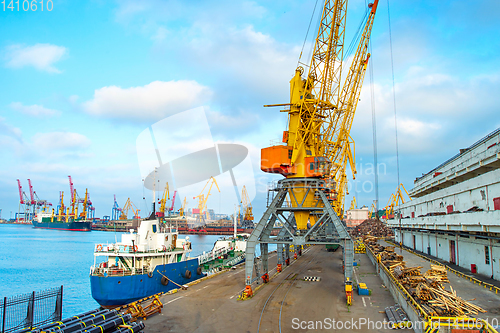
x=38 y=259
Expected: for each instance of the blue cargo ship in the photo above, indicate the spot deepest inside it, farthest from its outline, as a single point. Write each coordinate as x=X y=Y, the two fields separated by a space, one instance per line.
x=143 y=263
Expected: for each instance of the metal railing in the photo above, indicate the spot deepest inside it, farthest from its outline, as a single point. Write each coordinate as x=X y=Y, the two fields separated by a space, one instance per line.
x=115 y=271
x=33 y=309
x=214 y=254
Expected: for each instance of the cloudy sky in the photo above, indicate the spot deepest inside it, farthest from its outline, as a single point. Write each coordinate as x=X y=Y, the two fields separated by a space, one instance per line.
x=81 y=82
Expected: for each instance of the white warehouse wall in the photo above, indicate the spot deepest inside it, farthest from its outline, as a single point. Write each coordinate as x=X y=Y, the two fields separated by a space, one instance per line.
x=468 y=250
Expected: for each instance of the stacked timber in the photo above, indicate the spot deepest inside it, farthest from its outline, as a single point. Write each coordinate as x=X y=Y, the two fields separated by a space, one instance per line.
x=371 y=227
x=427 y=289
x=437 y=274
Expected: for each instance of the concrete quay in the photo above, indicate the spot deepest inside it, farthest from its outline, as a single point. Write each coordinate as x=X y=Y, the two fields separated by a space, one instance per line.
x=287 y=303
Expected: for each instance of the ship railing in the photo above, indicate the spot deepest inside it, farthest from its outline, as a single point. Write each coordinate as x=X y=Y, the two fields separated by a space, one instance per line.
x=206 y=257
x=104 y=248
x=117 y=271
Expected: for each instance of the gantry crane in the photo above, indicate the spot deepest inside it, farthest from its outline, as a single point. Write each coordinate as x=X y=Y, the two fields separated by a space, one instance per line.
x=317 y=148
x=202 y=199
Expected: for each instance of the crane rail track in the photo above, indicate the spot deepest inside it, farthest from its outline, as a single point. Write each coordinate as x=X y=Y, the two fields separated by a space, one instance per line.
x=290 y=280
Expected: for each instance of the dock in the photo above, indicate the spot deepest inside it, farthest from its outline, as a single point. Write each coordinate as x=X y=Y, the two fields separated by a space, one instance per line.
x=287 y=303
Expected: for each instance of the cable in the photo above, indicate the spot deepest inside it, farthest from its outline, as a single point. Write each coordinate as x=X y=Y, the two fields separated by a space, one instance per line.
x=395 y=114
x=374 y=126
x=307 y=33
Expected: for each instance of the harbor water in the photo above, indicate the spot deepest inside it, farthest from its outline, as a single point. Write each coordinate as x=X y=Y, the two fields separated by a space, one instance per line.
x=38 y=259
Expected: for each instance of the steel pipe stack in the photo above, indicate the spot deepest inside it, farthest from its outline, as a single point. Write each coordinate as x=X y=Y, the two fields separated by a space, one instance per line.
x=95 y=321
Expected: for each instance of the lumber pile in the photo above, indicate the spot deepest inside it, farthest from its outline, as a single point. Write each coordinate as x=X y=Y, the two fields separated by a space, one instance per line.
x=427 y=289
x=371 y=227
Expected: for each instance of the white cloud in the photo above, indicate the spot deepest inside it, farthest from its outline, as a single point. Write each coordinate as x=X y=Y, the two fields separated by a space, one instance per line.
x=153 y=101
x=8 y=130
x=33 y=110
x=60 y=140
x=40 y=56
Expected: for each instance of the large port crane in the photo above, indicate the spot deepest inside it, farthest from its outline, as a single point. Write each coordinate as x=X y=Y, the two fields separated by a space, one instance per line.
x=316 y=149
x=24 y=205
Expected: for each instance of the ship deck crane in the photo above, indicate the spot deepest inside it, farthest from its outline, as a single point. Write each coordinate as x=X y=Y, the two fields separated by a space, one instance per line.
x=317 y=149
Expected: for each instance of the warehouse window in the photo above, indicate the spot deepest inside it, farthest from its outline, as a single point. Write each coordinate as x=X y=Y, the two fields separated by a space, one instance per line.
x=487 y=254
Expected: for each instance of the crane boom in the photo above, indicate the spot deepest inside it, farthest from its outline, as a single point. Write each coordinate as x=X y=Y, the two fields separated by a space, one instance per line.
x=21 y=199
x=32 y=196
x=173 y=201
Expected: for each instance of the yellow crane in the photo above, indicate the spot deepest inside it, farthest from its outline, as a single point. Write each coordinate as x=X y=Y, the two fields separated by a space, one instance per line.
x=372 y=210
x=395 y=200
x=246 y=205
x=203 y=198
x=129 y=205
x=353 y=203
x=83 y=214
x=182 y=209
x=317 y=148
x=320 y=115
x=163 y=201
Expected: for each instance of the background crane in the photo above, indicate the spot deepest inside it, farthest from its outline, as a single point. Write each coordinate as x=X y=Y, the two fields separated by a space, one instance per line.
x=129 y=205
x=246 y=206
x=183 y=207
x=163 y=201
x=395 y=200
x=171 y=209
x=353 y=203
x=203 y=198
x=116 y=211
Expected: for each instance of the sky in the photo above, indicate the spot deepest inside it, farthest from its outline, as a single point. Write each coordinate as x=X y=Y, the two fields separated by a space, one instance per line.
x=80 y=83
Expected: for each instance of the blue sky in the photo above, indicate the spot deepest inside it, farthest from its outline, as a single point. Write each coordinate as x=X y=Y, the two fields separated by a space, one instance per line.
x=81 y=82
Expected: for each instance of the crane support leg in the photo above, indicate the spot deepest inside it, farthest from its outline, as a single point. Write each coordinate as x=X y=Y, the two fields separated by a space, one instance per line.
x=328 y=229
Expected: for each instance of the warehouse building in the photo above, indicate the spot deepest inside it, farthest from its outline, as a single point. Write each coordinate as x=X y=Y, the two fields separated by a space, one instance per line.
x=454 y=213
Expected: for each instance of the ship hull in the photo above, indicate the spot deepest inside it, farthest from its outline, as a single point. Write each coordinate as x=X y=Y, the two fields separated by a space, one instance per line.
x=70 y=226
x=110 y=291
